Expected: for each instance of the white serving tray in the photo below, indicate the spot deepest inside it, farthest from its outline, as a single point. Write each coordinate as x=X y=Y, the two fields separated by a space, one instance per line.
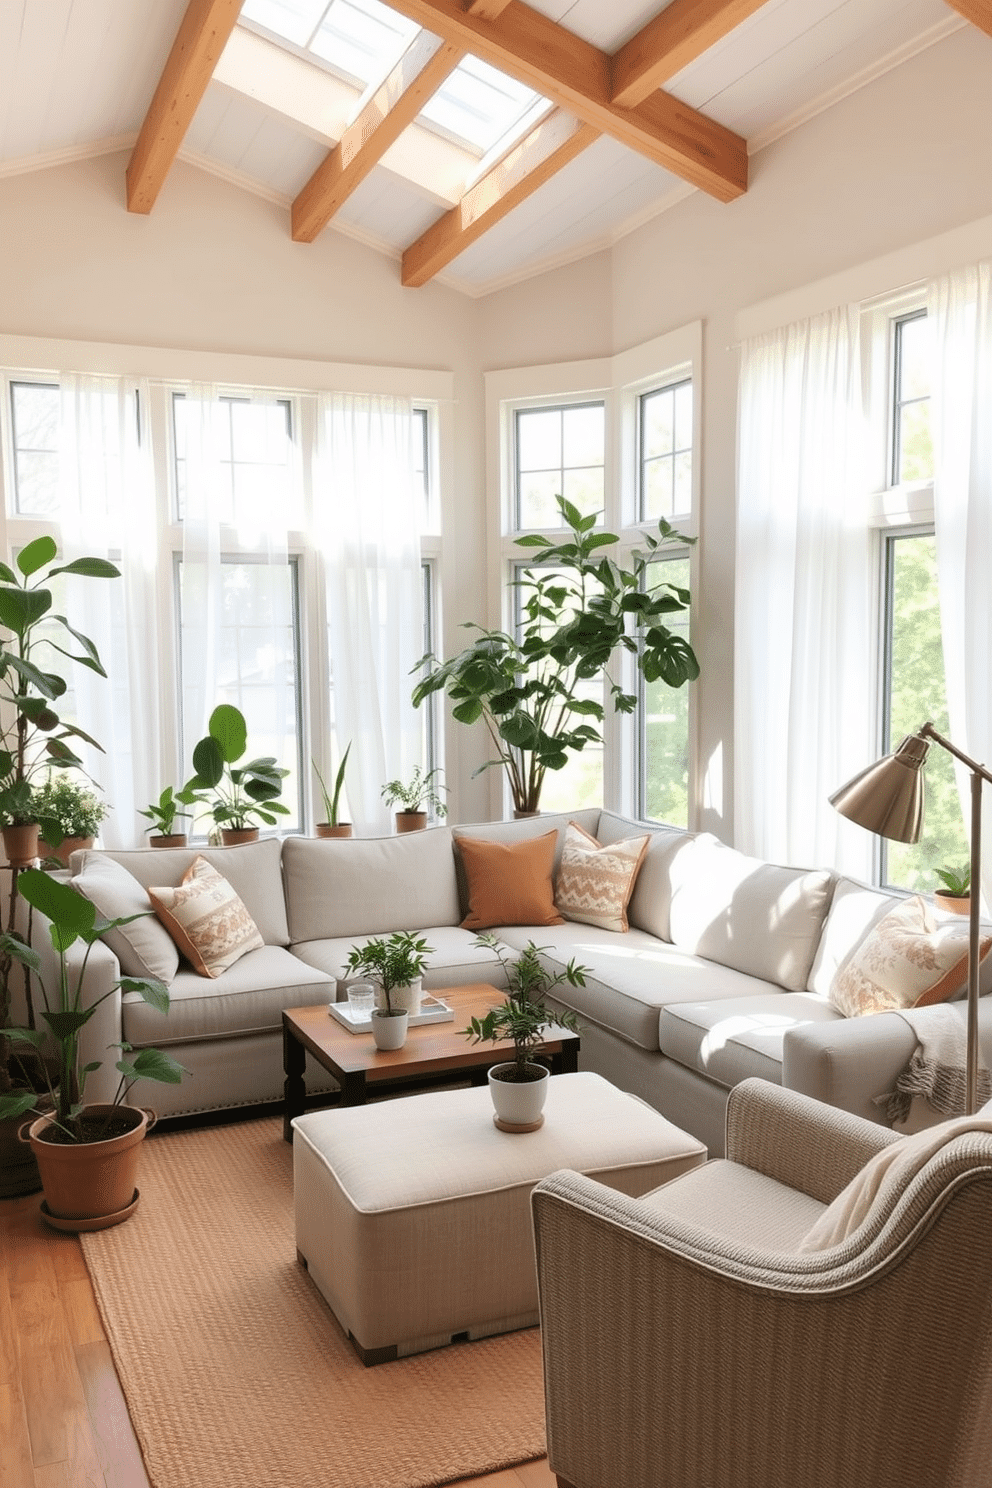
x=432 y=1010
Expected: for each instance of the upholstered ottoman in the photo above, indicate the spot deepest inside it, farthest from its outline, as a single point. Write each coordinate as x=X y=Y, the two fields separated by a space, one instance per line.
x=413 y=1215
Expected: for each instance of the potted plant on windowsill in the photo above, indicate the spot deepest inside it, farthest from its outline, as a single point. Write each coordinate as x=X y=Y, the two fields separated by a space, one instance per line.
x=396 y=965
x=87 y=1154
x=413 y=798
x=519 y=1087
x=331 y=826
x=580 y=610
x=169 y=809
x=71 y=813
x=955 y=895
x=239 y=796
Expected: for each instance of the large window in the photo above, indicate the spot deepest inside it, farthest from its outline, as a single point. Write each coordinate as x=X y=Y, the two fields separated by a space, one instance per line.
x=616 y=438
x=913 y=688
x=226 y=607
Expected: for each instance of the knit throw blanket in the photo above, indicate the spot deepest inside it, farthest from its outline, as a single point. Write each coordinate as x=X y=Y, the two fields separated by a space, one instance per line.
x=936 y=1073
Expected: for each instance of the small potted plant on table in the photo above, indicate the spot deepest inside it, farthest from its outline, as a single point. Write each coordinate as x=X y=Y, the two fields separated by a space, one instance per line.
x=519 y=1087
x=242 y=795
x=87 y=1154
x=330 y=826
x=412 y=800
x=396 y=964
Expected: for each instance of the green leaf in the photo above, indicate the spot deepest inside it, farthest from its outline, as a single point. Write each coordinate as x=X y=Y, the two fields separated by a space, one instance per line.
x=154 y=992
x=468 y=712
x=208 y=762
x=90 y=568
x=61 y=753
x=228 y=727
x=36 y=555
x=152 y=1064
x=11 y=946
x=60 y=903
x=7 y=574
x=65 y=1023
x=22 y=608
x=533 y=540
x=12 y=1106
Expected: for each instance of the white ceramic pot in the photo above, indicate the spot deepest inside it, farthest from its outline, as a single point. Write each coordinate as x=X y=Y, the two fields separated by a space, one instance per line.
x=407 y=997
x=519 y=1102
x=389 y=1029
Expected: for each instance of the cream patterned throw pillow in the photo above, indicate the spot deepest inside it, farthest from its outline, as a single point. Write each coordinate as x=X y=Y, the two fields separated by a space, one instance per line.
x=207 y=919
x=595 y=883
x=906 y=960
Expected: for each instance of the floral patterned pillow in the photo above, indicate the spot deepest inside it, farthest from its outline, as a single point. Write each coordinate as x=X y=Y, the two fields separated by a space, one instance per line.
x=908 y=959
x=207 y=919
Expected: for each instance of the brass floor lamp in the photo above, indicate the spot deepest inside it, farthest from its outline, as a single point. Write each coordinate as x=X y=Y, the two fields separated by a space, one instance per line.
x=887 y=798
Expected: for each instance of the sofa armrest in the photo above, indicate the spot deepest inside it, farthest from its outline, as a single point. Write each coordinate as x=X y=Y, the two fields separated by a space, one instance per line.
x=104 y=1029
x=848 y=1062
x=797 y=1140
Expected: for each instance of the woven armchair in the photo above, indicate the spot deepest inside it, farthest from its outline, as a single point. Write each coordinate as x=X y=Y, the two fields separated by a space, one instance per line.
x=689 y=1344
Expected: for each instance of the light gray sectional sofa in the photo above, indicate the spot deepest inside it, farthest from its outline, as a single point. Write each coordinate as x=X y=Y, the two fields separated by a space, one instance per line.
x=723 y=974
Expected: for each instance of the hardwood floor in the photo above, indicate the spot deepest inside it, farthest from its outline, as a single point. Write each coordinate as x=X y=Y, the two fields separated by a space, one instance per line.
x=63 y=1418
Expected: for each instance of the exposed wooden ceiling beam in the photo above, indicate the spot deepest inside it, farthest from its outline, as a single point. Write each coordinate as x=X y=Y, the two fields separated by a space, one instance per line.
x=549 y=146
x=418 y=74
x=669 y=42
x=578 y=77
x=201 y=38
x=979 y=12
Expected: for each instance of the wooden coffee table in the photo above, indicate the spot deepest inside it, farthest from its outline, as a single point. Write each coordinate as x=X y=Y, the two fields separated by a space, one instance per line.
x=433 y=1052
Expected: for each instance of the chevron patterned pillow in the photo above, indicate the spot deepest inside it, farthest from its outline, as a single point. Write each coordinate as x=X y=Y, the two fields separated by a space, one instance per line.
x=595 y=883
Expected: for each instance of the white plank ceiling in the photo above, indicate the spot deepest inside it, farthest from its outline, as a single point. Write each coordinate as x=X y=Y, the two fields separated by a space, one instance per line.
x=77 y=77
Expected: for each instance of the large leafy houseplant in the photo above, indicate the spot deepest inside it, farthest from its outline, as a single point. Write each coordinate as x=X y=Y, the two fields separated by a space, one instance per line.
x=581 y=612
x=239 y=796
x=32 y=735
x=73 y=918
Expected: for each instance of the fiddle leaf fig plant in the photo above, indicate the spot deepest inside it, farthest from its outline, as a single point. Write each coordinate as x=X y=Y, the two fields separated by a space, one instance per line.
x=581 y=612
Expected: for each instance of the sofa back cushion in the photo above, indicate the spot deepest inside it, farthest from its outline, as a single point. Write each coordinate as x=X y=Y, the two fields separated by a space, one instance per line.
x=854 y=909
x=253 y=869
x=143 y=947
x=651 y=902
x=369 y=885
x=753 y=916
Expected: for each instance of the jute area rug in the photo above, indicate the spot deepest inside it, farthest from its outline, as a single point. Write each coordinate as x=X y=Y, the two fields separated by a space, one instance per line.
x=236 y=1371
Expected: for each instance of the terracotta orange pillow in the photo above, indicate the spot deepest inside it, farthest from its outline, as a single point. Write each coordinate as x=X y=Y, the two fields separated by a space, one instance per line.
x=510 y=883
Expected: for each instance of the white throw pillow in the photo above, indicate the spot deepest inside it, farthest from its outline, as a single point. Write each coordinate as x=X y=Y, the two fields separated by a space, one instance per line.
x=595 y=883
x=207 y=919
x=143 y=948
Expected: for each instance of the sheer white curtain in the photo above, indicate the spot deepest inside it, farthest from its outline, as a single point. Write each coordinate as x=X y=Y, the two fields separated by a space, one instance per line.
x=802 y=716
x=107 y=508
x=236 y=602
x=367 y=520
x=960 y=309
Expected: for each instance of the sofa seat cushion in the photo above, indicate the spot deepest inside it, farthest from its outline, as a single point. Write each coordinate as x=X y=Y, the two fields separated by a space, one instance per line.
x=369 y=885
x=253 y=870
x=247 y=998
x=631 y=977
x=455 y=961
x=737 y=1202
x=754 y=916
x=730 y=1040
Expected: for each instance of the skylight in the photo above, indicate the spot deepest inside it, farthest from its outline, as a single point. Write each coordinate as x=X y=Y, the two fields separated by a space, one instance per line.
x=478 y=105
x=362 y=40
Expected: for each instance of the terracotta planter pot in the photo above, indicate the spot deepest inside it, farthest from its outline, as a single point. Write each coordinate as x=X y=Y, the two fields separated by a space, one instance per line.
x=90 y=1184
x=234 y=836
x=65 y=849
x=21 y=844
x=518 y=1104
x=411 y=821
x=959 y=904
x=339 y=829
x=171 y=839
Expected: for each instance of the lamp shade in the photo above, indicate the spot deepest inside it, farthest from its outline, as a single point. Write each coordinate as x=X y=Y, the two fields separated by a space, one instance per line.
x=887 y=797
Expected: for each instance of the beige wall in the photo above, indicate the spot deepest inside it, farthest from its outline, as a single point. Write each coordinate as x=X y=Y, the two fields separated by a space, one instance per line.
x=885 y=187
